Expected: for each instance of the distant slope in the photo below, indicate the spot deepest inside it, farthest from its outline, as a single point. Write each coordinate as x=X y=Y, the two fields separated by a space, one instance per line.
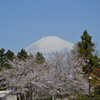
x=49 y=44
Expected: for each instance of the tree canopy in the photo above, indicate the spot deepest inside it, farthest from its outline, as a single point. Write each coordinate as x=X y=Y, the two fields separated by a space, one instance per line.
x=86 y=49
x=2 y=58
x=40 y=58
x=22 y=55
x=61 y=77
x=9 y=55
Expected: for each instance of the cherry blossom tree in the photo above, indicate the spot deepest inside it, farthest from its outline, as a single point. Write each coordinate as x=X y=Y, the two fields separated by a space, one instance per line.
x=68 y=76
x=24 y=77
x=60 y=75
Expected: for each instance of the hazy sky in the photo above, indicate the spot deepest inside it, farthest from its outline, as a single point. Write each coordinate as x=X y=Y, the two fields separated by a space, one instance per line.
x=23 y=22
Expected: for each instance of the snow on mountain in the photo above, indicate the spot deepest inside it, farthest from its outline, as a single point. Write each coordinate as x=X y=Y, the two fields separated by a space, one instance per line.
x=49 y=44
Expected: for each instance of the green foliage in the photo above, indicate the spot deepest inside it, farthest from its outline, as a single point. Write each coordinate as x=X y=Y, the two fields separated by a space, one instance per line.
x=86 y=49
x=97 y=90
x=22 y=55
x=40 y=58
x=95 y=83
x=94 y=80
x=9 y=55
x=93 y=97
x=85 y=98
x=2 y=59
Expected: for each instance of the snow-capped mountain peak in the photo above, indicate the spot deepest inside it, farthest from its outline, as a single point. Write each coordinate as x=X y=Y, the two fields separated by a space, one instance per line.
x=49 y=44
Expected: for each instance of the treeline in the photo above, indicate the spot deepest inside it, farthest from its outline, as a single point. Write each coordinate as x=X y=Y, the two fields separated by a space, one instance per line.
x=22 y=55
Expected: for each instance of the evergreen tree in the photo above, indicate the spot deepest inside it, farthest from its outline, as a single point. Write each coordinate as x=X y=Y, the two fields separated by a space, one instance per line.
x=22 y=54
x=40 y=58
x=86 y=49
x=97 y=90
x=9 y=55
x=2 y=58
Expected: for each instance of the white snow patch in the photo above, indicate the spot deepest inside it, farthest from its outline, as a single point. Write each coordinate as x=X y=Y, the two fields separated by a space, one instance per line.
x=49 y=44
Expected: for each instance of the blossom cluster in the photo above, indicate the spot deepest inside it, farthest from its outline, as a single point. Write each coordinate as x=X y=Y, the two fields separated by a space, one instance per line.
x=59 y=75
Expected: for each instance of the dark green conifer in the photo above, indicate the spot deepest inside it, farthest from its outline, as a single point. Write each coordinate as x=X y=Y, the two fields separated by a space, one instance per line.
x=40 y=58
x=86 y=49
x=9 y=55
x=22 y=55
x=2 y=58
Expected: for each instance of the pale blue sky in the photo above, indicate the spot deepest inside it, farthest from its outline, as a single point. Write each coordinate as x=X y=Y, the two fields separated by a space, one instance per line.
x=23 y=22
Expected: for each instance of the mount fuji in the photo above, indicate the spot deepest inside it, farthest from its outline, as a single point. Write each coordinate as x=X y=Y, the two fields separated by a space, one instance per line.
x=49 y=44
